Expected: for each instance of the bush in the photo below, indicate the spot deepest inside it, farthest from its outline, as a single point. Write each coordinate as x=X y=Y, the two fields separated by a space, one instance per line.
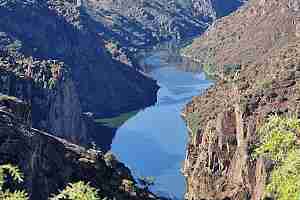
x=209 y=70
x=285 y=179
x=16 y=175
x=77 y=191
x=193 y=120
x=74 y=191
x=51 y=83
x=279 y=143
x=264 y=84
x=278 y=137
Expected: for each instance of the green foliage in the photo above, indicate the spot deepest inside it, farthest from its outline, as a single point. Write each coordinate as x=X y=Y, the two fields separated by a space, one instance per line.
x=285 y=179
x=74 y=191
x=9 y=170
x=146 y=182
x=16 y=175
x=277 y=136
x=16 y=195
x=193 y=120
x=209 y=69
x=5 y=97
x=279 y=143
x=51 y=83
x=78 y=191
x=264 y=84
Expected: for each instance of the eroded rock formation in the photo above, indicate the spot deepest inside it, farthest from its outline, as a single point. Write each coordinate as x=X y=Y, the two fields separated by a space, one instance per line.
x=52 y=57
x=50 y=163
x=224 y=120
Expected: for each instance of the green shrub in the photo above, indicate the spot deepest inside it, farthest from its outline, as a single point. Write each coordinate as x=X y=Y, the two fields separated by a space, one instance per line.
x=285 y=179
x=16 y=195
x=193 y=120
x=16 y=175
x=209 y=69
x=277 y=136
x=51 y=83
x=77 y=191
x=279 y=143
x=264 y=84
x=74 y=191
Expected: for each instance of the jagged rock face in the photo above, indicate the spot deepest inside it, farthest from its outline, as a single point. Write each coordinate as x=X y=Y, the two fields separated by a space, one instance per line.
x=142 y=23
x=52 y=56
x=62 y=31
x=49 y=163
x=219 y=163
x=247 y=34
x=48 y=87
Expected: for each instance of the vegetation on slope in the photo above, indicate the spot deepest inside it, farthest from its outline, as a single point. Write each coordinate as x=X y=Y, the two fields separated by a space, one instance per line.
x=279 y=143
x=78 y=191
x=247 y=35
x=74 y=191
x=9 y=171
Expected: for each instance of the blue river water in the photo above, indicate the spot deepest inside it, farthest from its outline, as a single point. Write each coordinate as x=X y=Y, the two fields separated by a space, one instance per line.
x=153 y=142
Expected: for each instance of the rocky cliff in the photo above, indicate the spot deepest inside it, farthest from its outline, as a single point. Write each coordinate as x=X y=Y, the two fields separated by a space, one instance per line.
x=223 y=121
x=47 y=85
x=53 y=57
x=139 y=24
x=62 y=31
x=50 y=163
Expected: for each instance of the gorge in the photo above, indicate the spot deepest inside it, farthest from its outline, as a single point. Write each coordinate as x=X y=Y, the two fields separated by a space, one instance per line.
x=86 y=83
x=161 y=132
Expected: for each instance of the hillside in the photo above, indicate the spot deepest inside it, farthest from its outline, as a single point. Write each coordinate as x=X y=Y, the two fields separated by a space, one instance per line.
x=57 y=61
x=247 y=35
x=224 y=121
x=136 y=24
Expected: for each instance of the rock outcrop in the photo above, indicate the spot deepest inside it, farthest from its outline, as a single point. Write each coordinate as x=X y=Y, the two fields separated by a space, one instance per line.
x=48 y=87
x=52 y=56
x=223 y=121
x=60 y=30
x=50 y=163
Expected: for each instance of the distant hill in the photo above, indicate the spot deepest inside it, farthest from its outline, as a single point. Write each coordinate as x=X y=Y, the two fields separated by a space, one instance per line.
x=139 y=23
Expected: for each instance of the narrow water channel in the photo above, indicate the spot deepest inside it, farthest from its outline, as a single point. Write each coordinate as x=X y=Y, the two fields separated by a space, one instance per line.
x=153 y=142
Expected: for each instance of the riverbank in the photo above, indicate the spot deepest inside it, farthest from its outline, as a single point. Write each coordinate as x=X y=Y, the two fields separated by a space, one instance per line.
x=153 y=142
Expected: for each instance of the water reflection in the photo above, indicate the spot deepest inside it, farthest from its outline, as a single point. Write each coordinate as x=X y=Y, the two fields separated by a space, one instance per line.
x=167 y=54
x=152 y=143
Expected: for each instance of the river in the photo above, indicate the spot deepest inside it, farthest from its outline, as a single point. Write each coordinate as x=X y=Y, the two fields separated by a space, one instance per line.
x=153 y=142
